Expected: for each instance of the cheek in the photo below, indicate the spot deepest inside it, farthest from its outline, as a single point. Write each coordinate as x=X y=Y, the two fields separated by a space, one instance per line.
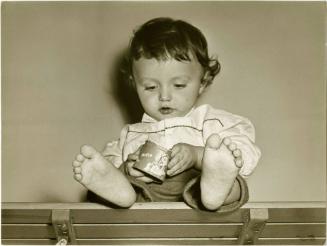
x=145 y=97
x=187 y=99
x=191 y=94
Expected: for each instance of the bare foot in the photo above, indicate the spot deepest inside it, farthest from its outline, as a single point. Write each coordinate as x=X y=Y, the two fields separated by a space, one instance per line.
x=93 y=171
x=218 y=173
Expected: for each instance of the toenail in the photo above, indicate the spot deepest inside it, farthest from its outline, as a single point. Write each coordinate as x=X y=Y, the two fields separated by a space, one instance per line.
x=238 y=162
x=227 y=141
x=78 y=177
x=87 y=151
x=80 y=157
x=77 y=170
x=76 y=164
x=237 y=153
x=232 y=147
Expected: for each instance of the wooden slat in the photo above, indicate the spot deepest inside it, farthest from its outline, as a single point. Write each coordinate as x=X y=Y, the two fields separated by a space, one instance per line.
x=86 y=205
x=132 y=241
x=182 y=241
x=290 y=230
x=160 y=241
x=37 y=216
x=124 y=230
x=156 y=231
x=27 y=231
x=153 y=205
x=291 y=241
x=153 y=216
x=276 y=204
x=28 y=242
x=155 y=219
x=297 y=215
x=15 y=216
x=149 y=216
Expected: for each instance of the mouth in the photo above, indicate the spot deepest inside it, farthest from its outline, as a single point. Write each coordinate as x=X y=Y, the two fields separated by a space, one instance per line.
x=166 y=110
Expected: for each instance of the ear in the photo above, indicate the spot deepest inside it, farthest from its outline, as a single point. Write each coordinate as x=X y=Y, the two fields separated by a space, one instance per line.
x=131 y=82
x=202 y=87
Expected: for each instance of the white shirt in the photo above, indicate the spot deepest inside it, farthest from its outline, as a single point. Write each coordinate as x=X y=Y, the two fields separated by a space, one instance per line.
x=193 y=129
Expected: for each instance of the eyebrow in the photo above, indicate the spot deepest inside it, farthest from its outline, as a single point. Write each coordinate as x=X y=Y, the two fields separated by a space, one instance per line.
x=183 y=77
x=145 y=79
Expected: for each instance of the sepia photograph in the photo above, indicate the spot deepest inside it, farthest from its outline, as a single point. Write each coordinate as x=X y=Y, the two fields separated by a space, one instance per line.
x=163 y=122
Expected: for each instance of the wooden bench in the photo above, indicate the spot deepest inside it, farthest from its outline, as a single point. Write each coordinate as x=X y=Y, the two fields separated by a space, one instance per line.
x=162 y=224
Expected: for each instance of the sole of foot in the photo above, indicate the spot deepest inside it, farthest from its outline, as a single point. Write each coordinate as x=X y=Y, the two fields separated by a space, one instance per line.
x=218 y=173
x=94 y=172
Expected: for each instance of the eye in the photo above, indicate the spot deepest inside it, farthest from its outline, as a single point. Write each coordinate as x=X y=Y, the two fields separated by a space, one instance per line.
x=180 y=85
x=150 y=87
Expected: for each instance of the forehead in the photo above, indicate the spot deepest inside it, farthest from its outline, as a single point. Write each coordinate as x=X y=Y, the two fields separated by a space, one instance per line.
x=152 y=68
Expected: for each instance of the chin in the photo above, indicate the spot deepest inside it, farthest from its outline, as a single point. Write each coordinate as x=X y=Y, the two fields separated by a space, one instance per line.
x=162 y=117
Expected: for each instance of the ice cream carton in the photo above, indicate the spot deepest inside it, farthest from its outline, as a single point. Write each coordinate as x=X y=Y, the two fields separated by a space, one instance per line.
x=153 y=161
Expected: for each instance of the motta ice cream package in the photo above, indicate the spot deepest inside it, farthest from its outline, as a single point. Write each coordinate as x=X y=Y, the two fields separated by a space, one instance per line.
x=153 y=161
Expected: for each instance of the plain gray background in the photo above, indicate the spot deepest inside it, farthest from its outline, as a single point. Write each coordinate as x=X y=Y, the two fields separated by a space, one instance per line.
x=58 y=91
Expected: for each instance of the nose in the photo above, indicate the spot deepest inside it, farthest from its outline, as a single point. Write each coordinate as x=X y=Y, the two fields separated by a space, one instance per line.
x=165 y=94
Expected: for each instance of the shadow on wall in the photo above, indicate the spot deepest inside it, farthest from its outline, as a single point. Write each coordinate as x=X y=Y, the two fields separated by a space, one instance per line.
x=123 y=90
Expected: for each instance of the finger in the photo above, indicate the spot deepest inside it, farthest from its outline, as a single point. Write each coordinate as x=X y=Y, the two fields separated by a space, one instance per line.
x=175 y=150
x=135 y=173
x=176 y=169
x=133 y=157
x=145 y=179
x=129 y=165
x=129 y=168
x=174 y=161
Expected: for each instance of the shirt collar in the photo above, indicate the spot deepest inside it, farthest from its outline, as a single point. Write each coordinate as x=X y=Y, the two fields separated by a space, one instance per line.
x=148 y=119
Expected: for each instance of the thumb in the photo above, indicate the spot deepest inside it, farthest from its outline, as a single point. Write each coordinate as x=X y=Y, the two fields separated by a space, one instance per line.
x=133 y=157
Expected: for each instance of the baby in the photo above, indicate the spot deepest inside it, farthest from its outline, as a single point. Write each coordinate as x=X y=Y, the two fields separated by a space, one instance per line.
x=211 y=150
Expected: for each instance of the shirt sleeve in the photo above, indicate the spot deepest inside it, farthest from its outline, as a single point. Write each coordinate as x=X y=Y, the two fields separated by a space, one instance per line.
x=113 y=151
x=242 y=133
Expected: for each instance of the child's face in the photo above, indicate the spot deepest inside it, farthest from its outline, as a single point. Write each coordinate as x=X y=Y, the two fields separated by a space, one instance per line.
x=167 y=88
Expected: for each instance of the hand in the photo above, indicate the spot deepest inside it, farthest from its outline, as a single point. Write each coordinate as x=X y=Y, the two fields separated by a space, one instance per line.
x=131 y=159
x=183 y=156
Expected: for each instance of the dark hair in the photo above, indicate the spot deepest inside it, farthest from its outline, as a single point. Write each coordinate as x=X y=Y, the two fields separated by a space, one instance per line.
x=165 y=38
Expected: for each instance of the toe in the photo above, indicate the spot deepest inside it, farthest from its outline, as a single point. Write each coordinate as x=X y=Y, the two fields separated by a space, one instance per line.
x=214 y=141
x=232 y=146
x=77 y=170
x=227 y=141
x=80 y=158
x=76 y=163
x=88 y=151
x=78 y=177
